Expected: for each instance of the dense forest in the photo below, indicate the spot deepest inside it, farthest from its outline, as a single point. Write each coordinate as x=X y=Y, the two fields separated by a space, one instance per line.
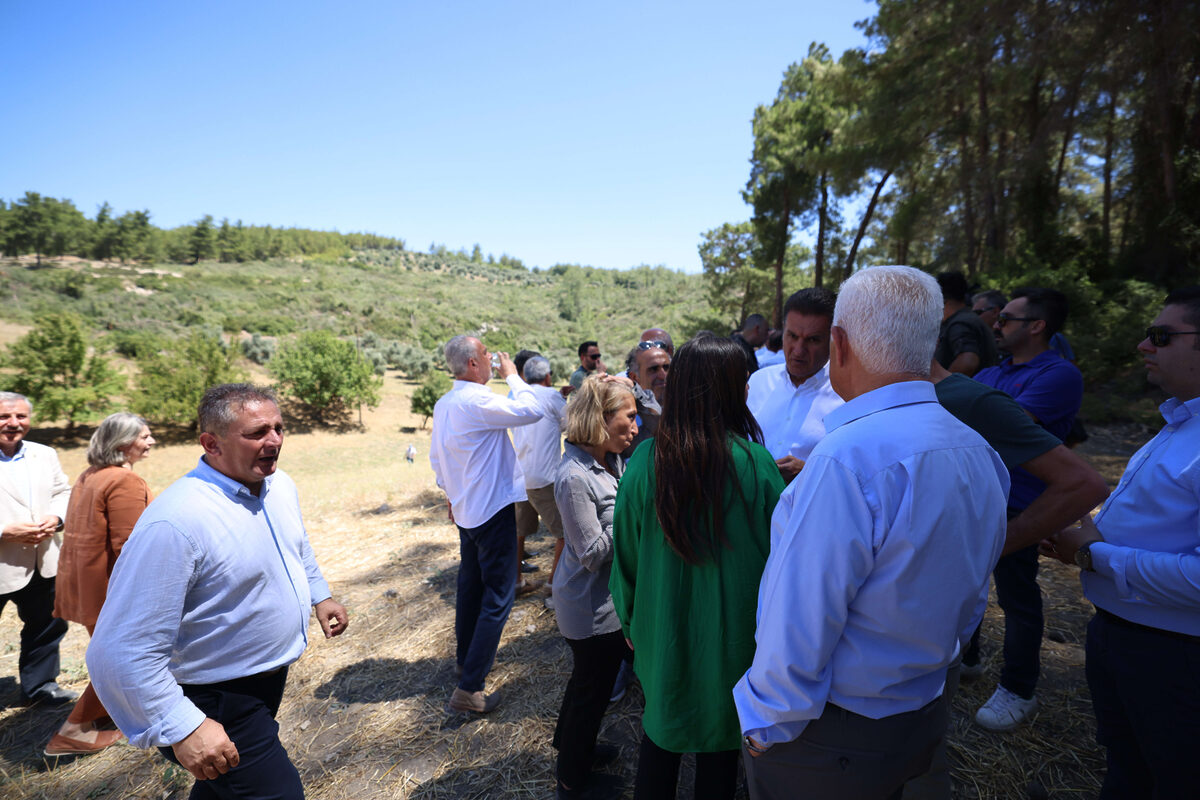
x=1018 y=140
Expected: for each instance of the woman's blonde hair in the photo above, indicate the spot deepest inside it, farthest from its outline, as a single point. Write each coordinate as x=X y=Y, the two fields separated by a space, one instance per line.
x=588 y=407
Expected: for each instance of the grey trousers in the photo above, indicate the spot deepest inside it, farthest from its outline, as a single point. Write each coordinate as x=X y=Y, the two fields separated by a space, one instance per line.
x=844 y=756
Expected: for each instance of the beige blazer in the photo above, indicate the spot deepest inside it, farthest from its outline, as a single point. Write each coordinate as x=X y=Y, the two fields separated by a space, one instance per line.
x=50 y=491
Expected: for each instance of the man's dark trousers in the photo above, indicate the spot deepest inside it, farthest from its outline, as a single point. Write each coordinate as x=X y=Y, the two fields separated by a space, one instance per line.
x=845 y=756
x=487 y=584
x=41 y=632
x=247 y=708
x=1145 y=686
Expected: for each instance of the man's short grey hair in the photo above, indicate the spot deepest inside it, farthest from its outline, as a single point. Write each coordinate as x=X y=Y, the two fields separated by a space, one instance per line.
x=459 y=351
x=220 y=405
x=117 y=431
x=16 y=397
x=891 y=316
x=536 y=369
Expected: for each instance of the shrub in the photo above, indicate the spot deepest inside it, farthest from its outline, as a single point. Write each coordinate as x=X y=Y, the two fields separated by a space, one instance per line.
x=325 y=374
x=428 y=393
x=172 y=380
x=258 y=349
x=55 y=372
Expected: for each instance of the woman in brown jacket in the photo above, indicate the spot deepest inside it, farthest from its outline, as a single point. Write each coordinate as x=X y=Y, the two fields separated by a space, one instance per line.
x=106 y=501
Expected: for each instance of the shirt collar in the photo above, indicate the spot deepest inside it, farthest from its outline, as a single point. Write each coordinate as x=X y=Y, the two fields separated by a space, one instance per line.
x=17 y=456
x=1177 y=412
x=205 y=472
x=890 y=396
x=577 y=453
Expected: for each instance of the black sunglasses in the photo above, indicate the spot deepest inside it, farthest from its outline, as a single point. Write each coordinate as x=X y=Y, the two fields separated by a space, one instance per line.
x=1159 y=336
x=1003 y=319
x=649 y=345
x=982 y=311
x=594 y=356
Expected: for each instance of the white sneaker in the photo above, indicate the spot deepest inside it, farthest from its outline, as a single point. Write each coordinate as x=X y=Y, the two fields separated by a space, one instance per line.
x=1004 y=710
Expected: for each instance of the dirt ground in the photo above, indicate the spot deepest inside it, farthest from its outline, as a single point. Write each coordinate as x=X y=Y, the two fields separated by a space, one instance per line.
x=364 y=714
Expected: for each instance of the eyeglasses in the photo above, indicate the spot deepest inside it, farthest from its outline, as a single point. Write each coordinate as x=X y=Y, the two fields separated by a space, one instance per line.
x=650 y=345
x=982 y=311
x=594 y=356
x=1003 y=319
x=1159 y=336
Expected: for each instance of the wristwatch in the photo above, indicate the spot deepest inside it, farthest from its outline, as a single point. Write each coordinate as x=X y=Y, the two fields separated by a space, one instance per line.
x=1083 y=557
x=753 y=746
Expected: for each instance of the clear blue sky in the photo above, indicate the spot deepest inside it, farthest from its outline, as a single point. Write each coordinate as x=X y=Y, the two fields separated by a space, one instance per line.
x=605 y=134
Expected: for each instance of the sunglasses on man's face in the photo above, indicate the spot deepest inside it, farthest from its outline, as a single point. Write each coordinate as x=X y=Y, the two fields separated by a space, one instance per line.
x=1003 y=319
x=594 y=356
x=649 y=345
x=982 y=311
x=1160 y=335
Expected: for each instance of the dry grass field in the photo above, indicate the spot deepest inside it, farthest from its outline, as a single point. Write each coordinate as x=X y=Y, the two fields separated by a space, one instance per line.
x=363 y=716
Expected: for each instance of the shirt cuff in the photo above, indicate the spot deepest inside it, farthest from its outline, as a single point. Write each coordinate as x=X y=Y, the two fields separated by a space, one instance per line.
x=515 y=383
x=318 y=591
x=180 y=722
x=1107 y=560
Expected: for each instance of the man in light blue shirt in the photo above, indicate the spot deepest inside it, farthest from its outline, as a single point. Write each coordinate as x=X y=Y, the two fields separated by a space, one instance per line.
x=209 y=604
x=880 y=556
x=1140 y=564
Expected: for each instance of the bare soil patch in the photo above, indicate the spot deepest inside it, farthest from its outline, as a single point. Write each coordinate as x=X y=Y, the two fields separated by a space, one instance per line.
x=364 y=714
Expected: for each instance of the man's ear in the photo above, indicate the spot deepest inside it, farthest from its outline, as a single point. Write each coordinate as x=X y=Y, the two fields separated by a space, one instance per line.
x=838 y=346
x=1037 y=327
x=210 y=444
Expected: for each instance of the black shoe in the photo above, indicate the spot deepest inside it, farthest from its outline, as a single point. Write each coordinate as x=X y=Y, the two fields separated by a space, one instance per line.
x=51 y=694
x=527 y=567
x=529 y=554
x=598 y=786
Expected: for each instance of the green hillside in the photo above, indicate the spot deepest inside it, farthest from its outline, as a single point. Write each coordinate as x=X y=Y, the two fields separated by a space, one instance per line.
x=396 y=295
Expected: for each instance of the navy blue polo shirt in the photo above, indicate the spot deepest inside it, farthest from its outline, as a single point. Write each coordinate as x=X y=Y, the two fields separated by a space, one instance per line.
x=1050 y=388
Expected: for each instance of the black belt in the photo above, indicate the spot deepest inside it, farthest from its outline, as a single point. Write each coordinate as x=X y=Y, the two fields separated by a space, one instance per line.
x=1124 y=623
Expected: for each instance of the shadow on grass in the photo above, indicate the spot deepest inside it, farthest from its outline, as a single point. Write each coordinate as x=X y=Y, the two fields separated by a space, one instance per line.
x=381 y=680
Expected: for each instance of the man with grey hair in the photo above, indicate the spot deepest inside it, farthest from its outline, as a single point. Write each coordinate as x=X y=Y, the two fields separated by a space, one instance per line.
x=209 y=604
x=539 y=449
x=880 y=556
x=33 y=504
x=474 y=463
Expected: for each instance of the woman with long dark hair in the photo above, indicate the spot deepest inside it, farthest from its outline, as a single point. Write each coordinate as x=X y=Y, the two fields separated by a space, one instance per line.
x=691 y=537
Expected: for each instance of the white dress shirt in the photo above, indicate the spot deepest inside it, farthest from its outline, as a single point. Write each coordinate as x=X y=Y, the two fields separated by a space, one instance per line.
x=766 y=358
x=539 y=446
x=792 y=418
x=472 y=457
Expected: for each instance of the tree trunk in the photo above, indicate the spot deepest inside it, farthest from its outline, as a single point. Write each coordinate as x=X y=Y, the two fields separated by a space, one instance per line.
x=866 y=220
x=777 y=314
x=1109 y=137
x=822 y=216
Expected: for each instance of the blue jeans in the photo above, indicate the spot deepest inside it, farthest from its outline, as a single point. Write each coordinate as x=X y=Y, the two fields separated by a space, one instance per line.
x=487 y=583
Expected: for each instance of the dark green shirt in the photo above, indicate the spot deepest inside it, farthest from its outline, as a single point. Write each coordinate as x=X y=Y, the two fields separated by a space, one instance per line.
x=997 y=418
x=692 y=627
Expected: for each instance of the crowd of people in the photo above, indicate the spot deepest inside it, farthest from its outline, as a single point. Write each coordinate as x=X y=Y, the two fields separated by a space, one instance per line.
x=792 y=555
x=797 y=563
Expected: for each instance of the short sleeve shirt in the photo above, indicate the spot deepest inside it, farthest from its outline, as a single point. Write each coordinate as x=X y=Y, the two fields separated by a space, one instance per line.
x=997 y=418
x=964 y=332
x=1050 y=389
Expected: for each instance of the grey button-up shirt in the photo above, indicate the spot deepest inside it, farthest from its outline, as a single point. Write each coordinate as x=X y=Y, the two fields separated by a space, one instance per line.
x=586 y=493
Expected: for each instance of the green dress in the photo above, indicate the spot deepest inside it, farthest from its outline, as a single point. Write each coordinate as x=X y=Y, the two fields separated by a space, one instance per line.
x=692 y=627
